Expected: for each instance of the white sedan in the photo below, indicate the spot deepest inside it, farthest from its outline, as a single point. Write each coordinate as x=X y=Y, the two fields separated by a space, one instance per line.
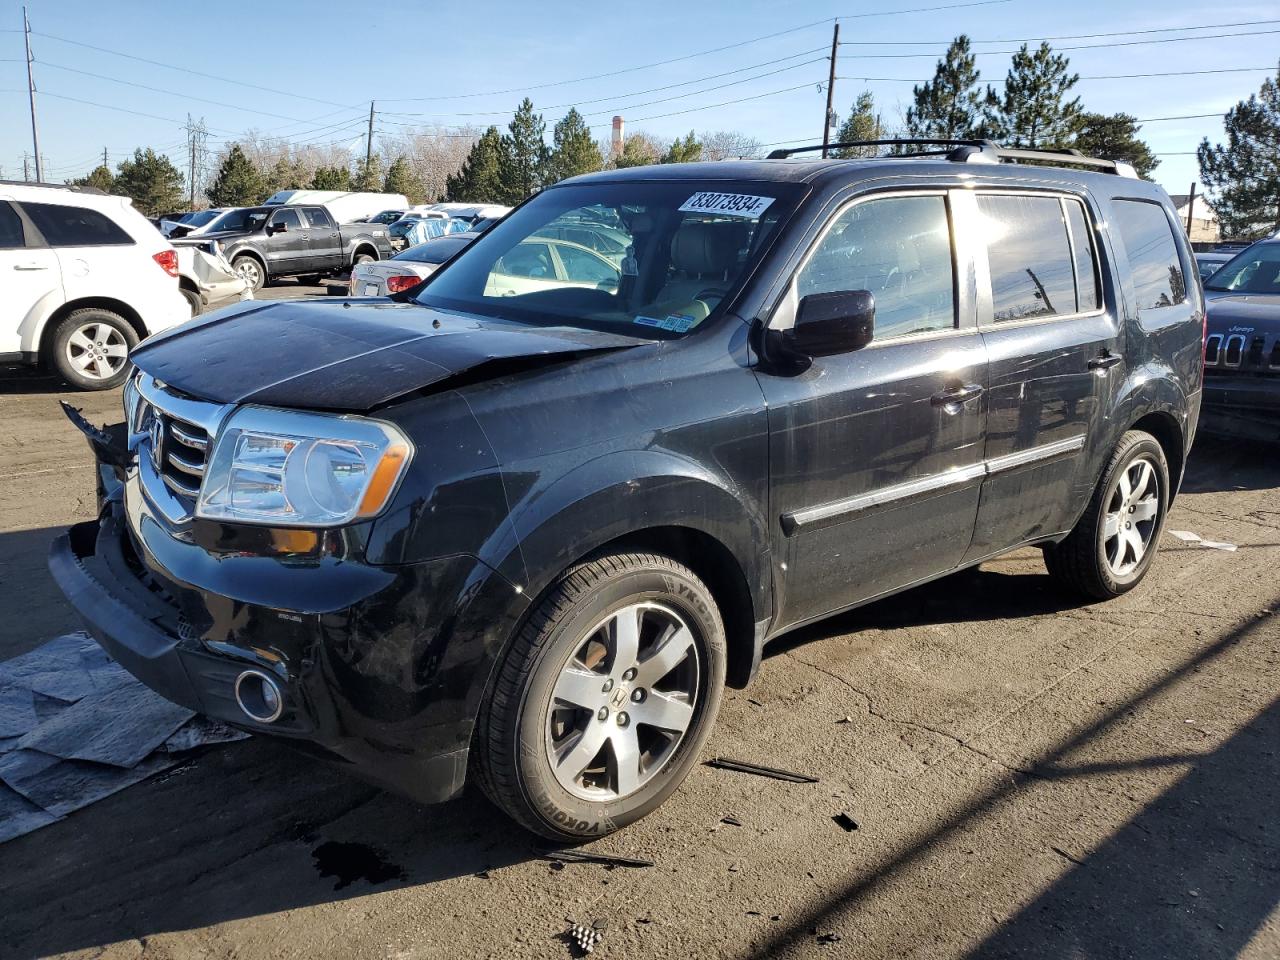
x=380 y=278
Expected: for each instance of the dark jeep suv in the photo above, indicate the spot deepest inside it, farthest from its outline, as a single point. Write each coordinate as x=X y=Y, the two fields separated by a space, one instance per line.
x=523 y=522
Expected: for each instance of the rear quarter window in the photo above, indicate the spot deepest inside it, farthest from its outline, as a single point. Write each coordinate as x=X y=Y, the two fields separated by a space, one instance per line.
x=1147 y=237
x=67 y=226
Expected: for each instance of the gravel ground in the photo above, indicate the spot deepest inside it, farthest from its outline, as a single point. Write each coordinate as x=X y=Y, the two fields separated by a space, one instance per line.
x=1030 y=777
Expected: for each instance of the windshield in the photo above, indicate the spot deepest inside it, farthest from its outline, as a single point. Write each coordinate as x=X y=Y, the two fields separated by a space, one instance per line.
x=1256 y=270
x=249 y=219
x=644 y=258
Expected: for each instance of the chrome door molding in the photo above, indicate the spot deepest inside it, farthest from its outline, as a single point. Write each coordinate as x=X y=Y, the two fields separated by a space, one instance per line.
x=925 y=487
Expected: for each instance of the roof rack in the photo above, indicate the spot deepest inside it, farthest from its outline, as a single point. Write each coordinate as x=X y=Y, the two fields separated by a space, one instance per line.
x=54 y=186
x=973 y=151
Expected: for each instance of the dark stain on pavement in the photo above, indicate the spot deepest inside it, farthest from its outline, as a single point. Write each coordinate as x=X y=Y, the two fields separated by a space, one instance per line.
x=349 y=862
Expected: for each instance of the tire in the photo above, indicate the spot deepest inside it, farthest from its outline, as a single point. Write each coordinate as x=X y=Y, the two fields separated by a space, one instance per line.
x=309 y=279
x=1100 y=557
x=90 y=348
x=193 y=298
x=250 y=270
x=362 y=258
x=526 y=719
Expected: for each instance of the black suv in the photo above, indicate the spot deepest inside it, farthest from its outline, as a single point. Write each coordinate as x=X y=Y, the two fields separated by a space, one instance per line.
x=524 y=521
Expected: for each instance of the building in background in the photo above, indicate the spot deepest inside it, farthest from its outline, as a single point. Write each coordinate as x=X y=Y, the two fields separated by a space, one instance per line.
x=1204 y=222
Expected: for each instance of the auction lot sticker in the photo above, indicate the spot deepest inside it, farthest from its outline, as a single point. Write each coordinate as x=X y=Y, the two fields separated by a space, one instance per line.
x=727 y=204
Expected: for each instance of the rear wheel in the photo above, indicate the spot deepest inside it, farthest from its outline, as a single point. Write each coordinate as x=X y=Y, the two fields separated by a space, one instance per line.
x=249 y=270
x=362 y=258
x=605 y=698
x=193 y=300
x=1112 y=547
x=90 y=348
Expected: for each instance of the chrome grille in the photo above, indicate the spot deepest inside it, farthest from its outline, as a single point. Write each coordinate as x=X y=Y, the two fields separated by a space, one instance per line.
x=174 y=438
x=1235 y=350
x=1212 y=347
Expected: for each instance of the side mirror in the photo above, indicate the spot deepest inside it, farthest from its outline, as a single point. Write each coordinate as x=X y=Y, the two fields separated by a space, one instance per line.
x=278 y=228
x=831 y=323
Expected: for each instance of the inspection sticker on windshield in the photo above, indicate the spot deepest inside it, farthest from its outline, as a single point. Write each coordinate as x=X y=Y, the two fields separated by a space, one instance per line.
x=727 y=204
x=676 y=322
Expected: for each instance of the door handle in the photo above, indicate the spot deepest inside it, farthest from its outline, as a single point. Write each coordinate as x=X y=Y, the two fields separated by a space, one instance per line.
x=1104 y=361
x=957 y=395
x=30 y=266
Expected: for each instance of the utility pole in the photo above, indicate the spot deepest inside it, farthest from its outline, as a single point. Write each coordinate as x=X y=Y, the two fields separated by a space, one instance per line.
x=1191 y=205
x=31 y=95
x=191 y=170
x=368 y=150
x=831 y=91
x=104 y=157
x=26 y=169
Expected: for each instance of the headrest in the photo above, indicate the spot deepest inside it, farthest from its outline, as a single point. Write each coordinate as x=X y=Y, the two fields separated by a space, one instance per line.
x=705 y=247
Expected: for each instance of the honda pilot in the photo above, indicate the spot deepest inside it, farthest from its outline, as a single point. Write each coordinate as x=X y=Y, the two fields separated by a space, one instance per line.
x=521 y=524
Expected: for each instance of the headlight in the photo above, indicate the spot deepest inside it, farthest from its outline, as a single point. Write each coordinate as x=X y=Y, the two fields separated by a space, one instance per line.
x=289 y=469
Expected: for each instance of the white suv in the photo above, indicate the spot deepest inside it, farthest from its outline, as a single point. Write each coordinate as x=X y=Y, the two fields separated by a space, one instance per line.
x=84 y=277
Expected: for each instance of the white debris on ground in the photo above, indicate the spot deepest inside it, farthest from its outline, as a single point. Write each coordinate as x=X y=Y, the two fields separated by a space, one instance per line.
x=1186 y=536
x=76 y=727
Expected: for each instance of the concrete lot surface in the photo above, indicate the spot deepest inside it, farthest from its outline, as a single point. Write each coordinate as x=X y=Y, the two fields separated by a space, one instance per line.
x=1030 y=777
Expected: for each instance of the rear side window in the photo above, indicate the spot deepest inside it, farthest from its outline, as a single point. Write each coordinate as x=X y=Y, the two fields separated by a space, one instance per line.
x=11 y=233
x=1088 y=296
x=317 y=217
x=899 y=248
x=65 y=226
x=1153 y=256
x=1029 y=252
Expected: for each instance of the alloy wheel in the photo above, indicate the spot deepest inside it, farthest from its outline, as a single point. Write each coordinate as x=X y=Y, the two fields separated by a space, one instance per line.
x=249 y=272
x=623 y=702
x=1133 y=508
x=98 y=350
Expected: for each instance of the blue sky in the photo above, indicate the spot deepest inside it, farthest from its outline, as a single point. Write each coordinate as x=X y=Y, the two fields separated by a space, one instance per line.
x=426 y=62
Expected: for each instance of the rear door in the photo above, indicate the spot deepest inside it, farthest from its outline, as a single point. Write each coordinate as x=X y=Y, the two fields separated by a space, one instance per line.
x=324 y=241
x=1056 y=356
x=30 y=279
x=876 y=455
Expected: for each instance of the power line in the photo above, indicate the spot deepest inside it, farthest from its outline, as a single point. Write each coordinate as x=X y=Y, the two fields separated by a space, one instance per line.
x=1113 y=76
x=1070 y=36
x=196 y=73
x=1083 y=46
x=712 y=106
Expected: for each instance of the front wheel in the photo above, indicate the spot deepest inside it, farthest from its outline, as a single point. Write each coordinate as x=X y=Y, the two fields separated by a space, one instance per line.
x=249 y=270
x=1111 y=549
x=91 y=347
x=605 y=698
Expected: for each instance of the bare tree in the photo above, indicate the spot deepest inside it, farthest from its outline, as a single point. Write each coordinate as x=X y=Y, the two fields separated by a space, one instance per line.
x=434 y=153
x=729 y=145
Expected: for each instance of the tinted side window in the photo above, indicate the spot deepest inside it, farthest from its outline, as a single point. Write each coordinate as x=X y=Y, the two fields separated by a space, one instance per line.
x=11 y=232
x=1153 y=256
x=1088 y=296
x=1030 y=257
x=899 y=248
x=317 y=217
x=289 y=218
x=64 y=226
x=583 y=267
x=528 y=260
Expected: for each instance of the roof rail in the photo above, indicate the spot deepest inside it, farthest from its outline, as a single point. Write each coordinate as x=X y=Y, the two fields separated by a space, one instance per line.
x=54 y=186
x=975 y=151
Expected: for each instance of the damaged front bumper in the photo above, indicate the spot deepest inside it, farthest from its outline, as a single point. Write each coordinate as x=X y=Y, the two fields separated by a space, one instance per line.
x=371 y=669
x=1244 y=406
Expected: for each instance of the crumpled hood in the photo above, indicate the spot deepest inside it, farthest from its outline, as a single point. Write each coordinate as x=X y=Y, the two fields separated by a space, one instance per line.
x=1243 y=313
x=347 y=354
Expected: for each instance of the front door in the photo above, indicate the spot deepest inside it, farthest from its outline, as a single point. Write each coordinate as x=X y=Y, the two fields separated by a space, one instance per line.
x=1055 y=356
x=30 y=279
x=287 y=251
x=876 y=455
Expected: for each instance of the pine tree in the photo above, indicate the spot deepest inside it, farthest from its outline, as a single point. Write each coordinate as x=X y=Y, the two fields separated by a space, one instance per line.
x=1243 y=176
x=151 y=180
x=100 y=178
x=862 y=124
x=368 y=175
x=524 y=155
x=574 y=151
x=331 y=178
x=237 y=183
x=1033 y=111
x=1114 y=137
x=685 y=150
x=402 y=179
x=949 y=106
x=479 y=180
x=284 y=175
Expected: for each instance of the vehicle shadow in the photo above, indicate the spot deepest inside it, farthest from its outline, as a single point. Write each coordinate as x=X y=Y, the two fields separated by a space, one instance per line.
x=1192 y=874
x=242 y=831
x=1221 y=464
x=23 y=379
x=26 y=585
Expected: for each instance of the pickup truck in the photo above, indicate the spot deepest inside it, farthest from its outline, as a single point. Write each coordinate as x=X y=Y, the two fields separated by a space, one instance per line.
x=263 y=243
